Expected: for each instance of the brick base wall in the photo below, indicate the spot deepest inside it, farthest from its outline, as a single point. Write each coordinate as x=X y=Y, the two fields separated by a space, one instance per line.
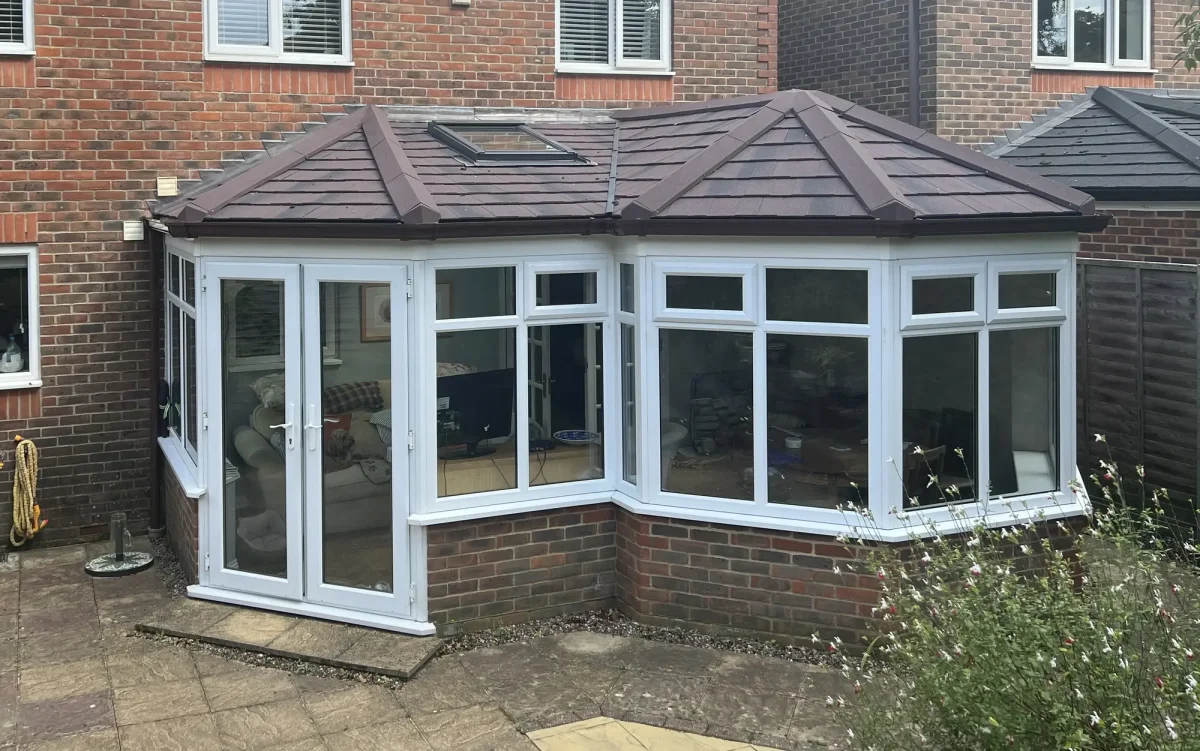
x=1159 y=236
x=182 y=524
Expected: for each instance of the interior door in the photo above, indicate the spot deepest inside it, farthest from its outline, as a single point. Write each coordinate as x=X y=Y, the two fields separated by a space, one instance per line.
x=253 y=427
x=356 y=437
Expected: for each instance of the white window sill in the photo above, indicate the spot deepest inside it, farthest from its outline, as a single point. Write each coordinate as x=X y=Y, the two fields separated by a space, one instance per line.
x=14 y=381
x=587 y=71
x=17 y=52
x=225 y=57
x=184 y=468
x=1092 y=68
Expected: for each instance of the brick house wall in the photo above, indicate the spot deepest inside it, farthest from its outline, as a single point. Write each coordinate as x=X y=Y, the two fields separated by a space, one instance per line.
x=976 y=58
x=183 y=525
x=1139 y=235
x=118 y=95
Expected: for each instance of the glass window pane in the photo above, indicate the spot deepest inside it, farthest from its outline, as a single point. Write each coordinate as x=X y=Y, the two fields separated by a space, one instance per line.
x=476 y=402
x=641 y=29
x=1028 y=290
x=940 y=418
x=312 y=27
x=816 y=420
x=175 y=335
x=954 y=294
x=242 y=22
x=255 y=497
x=704 y=292
x=189 y=282
x=357 y=441
x=173 y=273
x=14 y=314
x=257 y=319
x=1133 y=20
x=1090 y=32
x=476 y=293
x=566 y=428
x=1052 y=28
x=189 y=360
x=627 y=288
x=584 y=28
x=629 y=402
x=706 y=386
x=817 y=295
x=574 y=288
x=1024 y=411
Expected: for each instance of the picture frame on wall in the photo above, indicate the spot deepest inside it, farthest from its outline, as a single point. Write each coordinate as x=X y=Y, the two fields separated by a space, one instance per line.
x=376 y=313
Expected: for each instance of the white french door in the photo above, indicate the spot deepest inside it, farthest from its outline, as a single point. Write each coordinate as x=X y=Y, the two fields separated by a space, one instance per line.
x=308 y=417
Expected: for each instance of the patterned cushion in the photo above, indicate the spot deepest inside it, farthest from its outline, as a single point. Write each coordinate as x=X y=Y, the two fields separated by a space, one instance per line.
x=348 y=397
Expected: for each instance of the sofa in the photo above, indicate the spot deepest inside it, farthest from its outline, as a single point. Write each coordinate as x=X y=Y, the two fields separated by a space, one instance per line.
x=356 y=471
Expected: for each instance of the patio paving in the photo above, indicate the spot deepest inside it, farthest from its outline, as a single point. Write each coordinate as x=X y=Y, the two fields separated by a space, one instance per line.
x=74 y=675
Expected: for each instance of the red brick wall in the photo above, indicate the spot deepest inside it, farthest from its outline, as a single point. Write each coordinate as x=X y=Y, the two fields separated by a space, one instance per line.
x=119 y=94
x=1160 y=236
x=182 y=523
x=518 y=568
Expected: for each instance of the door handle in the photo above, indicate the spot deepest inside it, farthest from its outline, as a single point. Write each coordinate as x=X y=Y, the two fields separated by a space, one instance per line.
x=289 y=434
x=312 y=424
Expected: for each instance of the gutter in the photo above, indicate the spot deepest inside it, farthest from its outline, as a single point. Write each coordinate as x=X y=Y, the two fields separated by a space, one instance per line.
x=157 y=278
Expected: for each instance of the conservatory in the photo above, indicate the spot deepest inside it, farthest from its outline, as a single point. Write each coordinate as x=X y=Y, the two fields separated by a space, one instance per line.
x=748 y=312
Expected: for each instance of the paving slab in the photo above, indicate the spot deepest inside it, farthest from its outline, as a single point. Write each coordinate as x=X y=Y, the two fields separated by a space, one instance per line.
x=337 y=645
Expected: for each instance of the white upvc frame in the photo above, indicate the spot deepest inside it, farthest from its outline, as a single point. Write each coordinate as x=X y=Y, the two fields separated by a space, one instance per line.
x=747 y=316
x=1049 y=265
x=910 y=272
x=191 y=452
x=26 y=46
x=272 y=52
x=617 y=62
x=31 y=377
x=395 y=603
x=629 y=318
x=596 y=266
x=1112 y=32
x=527 y=495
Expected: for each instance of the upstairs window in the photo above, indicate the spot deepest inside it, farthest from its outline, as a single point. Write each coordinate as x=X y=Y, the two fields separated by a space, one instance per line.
x=284 y=31
x=606 y=35
x=1092 y=34
x=16 y=27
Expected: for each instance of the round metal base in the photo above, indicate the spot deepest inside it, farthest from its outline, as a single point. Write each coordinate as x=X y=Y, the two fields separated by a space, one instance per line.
x=108 y=565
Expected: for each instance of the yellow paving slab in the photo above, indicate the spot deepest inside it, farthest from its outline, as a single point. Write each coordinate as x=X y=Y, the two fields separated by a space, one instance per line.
x=607 y=734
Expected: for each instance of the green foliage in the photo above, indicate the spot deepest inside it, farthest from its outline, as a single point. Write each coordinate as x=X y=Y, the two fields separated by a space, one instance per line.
x=1188 y=25
x=1026 y=637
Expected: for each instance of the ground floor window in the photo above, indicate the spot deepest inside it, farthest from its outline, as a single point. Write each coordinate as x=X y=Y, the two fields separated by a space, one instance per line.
x=19 y=366
x=181 y=408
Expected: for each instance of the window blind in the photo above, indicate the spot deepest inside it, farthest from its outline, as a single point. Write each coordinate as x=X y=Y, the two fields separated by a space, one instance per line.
x=243 y=22
x=583 y=30
x=641 y=29
x=312 y=27
x=12 y=22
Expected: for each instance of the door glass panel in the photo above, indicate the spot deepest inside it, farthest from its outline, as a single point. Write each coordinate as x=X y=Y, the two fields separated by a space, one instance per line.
x=476 y=404
x=253 y=411
x=357 y=437
x=564 y=393
x=706 y=392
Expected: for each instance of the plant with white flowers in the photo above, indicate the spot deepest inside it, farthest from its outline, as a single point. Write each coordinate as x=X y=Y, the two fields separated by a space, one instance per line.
x=1033 y=637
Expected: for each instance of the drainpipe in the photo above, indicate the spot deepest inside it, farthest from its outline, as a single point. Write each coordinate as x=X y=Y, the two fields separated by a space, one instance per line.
x=914 y=62
x=157 y=515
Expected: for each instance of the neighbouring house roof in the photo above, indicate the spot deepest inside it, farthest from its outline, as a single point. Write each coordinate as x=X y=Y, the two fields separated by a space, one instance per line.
x=790 y=163
x=1115 y=144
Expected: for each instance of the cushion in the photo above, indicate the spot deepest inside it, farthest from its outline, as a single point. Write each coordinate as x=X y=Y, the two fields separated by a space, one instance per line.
x=382 y=420
x=253 y=448
x=366 y=437
x=269 y=390
x=261 y=419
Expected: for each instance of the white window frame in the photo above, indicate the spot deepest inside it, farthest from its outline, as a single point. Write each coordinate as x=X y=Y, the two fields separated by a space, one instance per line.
x=191 y=454
x=617 y=62
x=631 y=319
x=1056 y=266
x=31 y=378
x=747 y=316
x=26 y=46
x=579 y=310
x=1111 y=39
x=918 y=271
x=273 y=51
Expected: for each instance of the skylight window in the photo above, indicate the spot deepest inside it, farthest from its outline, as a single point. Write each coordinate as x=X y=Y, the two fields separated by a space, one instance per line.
x=501 y=142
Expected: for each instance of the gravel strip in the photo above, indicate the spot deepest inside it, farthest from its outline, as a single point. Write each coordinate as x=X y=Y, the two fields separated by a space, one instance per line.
x=168 y=567
x=614 y=623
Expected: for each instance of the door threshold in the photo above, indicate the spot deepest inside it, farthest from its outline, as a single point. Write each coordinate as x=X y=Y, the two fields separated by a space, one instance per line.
x=313 y=610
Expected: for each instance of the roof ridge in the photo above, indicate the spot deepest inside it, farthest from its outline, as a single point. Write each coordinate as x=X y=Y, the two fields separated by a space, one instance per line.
x=708 y=105
x=1050 y=118
x=666 y=191
x=1149 y=124
x=412 y=200
x=964 y=156
x=208 y=201
x=877 y=192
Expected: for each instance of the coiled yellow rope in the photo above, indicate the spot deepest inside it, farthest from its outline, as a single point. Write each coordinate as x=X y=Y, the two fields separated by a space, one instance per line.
x=27 y=514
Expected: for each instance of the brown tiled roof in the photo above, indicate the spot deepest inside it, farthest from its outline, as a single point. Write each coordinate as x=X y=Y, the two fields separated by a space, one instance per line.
x=795 y=162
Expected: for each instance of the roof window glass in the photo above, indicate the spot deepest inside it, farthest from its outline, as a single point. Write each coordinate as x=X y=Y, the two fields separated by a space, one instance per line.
x=507 y=142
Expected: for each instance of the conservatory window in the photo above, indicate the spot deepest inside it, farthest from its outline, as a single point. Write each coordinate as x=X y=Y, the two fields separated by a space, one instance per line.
x=1092 y=33
x=181 y=410
x=596 y=36
x=1024 y=408
x=20 y=365
x=278 y=31
x=817 y=295
x=627 y=321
